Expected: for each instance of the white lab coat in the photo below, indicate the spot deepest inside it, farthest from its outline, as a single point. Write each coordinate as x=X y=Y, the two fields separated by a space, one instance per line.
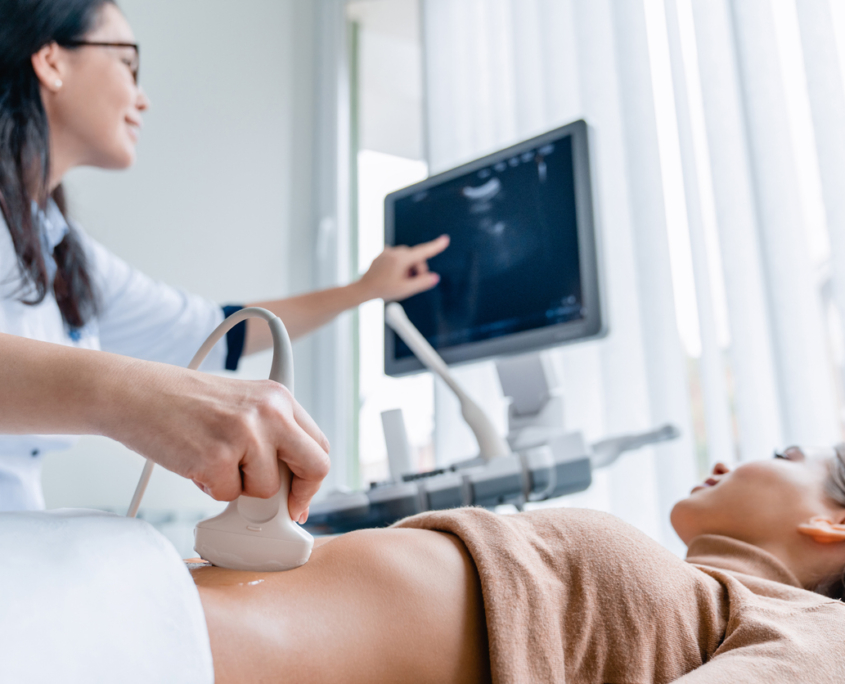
x=138 y=317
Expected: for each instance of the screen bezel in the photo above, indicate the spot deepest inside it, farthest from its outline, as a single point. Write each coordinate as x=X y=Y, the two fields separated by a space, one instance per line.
x=592 y=324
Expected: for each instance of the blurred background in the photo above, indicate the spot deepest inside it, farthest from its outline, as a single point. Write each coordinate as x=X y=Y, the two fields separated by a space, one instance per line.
x=718 y=139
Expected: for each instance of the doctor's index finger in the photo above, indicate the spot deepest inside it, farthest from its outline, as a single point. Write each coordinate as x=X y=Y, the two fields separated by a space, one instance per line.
x=426 y=250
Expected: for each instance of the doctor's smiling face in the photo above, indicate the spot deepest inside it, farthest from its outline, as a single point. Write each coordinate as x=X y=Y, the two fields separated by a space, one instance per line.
x=93 y=103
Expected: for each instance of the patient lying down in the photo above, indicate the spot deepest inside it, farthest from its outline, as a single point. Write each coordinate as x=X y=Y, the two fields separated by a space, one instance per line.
x=560 y=595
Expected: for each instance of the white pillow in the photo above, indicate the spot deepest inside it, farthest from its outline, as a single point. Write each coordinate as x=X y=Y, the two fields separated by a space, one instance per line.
x=91 y=597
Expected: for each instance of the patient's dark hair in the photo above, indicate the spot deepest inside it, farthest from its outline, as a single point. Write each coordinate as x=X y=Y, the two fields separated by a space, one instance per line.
x=834 y=487
x=25 y=27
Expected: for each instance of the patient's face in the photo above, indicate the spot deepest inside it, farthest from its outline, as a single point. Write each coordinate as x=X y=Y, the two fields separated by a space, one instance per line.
x=761 y=502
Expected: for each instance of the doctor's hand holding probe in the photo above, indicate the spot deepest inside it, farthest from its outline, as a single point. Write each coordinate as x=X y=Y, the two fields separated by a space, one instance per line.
x=89 y=345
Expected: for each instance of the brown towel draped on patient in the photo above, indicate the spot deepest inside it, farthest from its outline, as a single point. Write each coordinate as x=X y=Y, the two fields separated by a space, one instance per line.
x=579 y=596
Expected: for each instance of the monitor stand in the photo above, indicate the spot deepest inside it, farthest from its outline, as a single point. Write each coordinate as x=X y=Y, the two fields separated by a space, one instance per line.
x=536 y=412
x=536 y=417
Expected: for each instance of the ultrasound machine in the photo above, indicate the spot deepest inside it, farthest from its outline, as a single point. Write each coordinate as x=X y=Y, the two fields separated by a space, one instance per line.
x=521 y=274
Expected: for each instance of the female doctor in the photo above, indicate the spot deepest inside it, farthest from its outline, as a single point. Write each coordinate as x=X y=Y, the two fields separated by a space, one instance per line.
x=88 y=345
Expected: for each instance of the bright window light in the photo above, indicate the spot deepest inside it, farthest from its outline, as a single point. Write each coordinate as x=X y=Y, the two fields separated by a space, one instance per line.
x=378 y=175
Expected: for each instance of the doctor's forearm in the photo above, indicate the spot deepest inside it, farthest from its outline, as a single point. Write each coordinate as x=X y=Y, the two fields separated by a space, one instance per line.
x=395 y=274
x=52 y=389
x=224 y=434
x=303 y=314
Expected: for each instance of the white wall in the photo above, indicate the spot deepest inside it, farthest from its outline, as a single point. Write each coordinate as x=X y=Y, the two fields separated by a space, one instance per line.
x=219 y=201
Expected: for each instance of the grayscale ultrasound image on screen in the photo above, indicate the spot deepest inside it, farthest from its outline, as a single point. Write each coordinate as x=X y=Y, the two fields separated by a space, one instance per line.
x=512 y=264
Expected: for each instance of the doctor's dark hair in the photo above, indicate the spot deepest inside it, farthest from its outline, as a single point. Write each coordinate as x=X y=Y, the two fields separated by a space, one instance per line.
x=27 y=26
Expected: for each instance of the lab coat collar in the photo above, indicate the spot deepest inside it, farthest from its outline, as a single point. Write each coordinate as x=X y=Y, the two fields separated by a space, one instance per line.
x=52 y=224
x=52 y=228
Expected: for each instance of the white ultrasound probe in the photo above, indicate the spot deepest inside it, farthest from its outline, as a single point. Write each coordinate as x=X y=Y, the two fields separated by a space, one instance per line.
x=251 y=534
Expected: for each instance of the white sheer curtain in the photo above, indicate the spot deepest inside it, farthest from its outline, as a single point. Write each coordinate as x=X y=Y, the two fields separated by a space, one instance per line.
x=719 y=155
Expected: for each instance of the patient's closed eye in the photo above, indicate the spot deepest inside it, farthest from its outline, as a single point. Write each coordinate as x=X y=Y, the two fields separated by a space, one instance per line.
x=792 y=453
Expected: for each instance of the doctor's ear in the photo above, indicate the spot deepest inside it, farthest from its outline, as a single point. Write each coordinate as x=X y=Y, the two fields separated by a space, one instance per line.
x=49 y=66
x=823 y=530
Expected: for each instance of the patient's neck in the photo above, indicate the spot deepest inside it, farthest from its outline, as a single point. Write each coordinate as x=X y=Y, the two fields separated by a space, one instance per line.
x=802 y=562
x=811 y=563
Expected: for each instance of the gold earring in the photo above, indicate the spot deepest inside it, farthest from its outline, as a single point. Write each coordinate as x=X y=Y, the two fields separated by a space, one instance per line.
x=58 y=83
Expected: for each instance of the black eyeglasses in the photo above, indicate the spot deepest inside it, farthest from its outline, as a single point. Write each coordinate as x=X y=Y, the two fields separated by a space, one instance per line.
x=134 y=65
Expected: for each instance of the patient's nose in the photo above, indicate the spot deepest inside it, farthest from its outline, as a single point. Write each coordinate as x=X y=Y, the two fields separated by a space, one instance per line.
x=721 y=469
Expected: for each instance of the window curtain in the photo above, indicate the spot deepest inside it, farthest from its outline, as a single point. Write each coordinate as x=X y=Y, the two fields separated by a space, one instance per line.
x=718 y=145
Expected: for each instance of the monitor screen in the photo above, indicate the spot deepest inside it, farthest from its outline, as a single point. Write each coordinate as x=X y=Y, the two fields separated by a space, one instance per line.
x=520 y=272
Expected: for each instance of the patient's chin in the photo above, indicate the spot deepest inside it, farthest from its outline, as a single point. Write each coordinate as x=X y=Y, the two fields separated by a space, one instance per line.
x=683 y=520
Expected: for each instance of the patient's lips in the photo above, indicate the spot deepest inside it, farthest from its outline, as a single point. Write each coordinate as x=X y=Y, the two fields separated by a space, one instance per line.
x=711 y=481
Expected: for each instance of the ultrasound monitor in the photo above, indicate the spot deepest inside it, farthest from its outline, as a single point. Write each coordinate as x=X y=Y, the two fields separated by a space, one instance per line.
x=521 y=271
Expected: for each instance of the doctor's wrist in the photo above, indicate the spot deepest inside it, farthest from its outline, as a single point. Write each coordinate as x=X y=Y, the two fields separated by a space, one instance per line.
x=360 y=292
x=129 y=391
x=114 y=395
